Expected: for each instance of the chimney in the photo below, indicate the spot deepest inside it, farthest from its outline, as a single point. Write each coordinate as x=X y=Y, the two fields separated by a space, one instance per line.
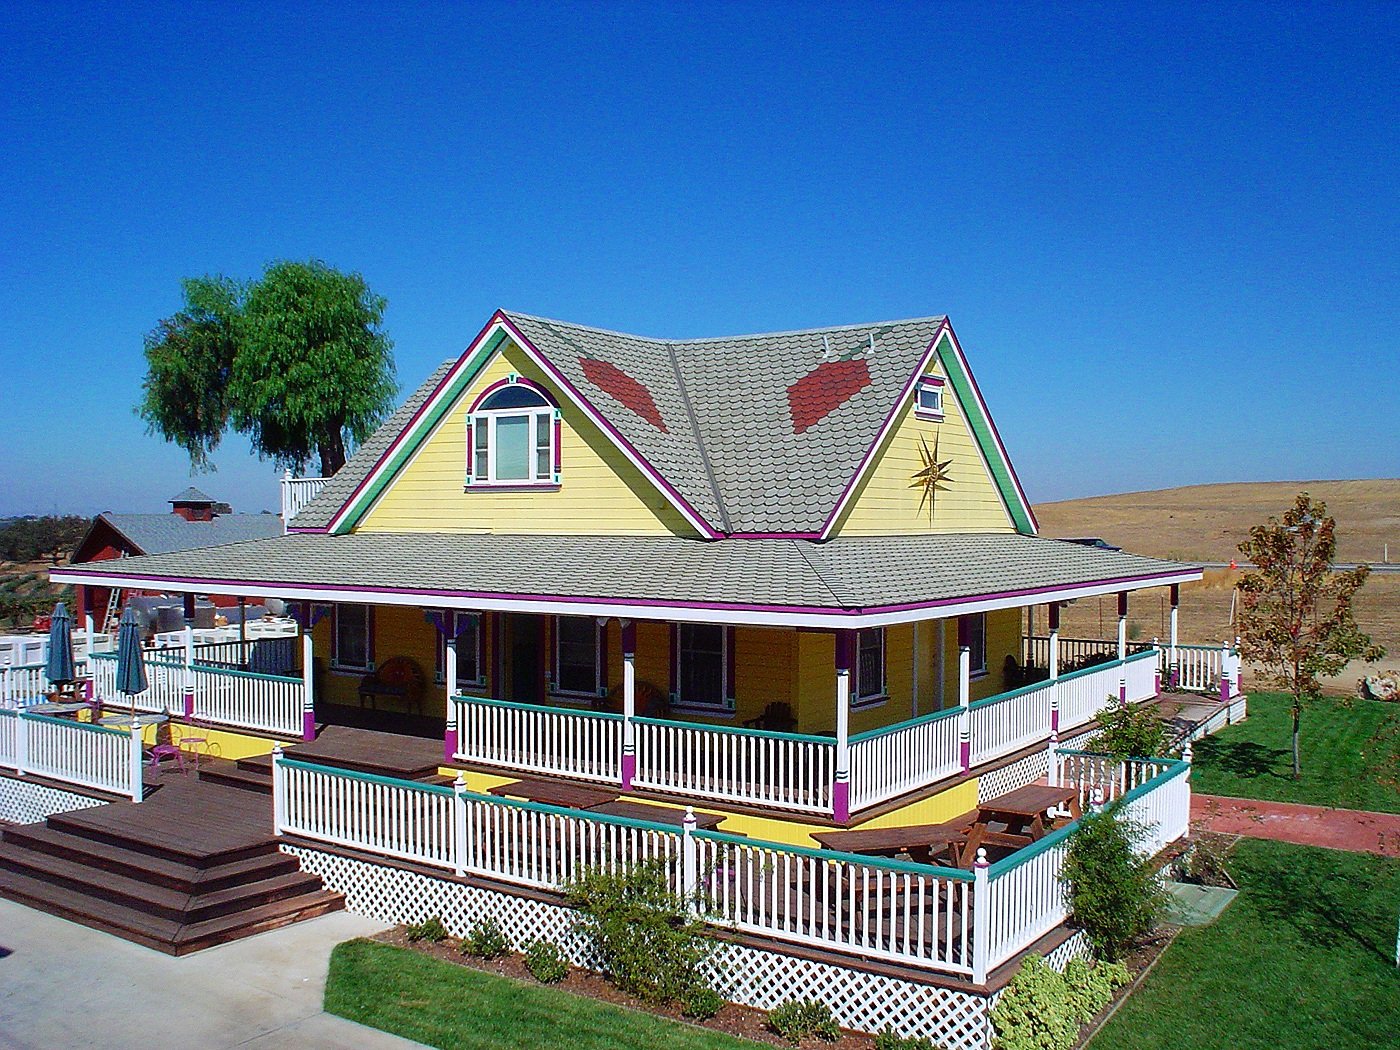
x=193 y=505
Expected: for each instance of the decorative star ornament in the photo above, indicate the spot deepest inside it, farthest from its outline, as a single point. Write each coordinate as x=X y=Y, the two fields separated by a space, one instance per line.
x=933 y=477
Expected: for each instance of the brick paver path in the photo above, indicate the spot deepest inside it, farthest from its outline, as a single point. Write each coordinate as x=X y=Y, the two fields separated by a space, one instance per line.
x=1348 y=829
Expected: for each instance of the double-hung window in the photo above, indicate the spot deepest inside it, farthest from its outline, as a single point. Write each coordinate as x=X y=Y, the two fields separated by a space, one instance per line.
x=466 y=631
x=928 y=398
x=578 y=664
x=351 y=649
x=702 y=665
x=973 y=632
x=870 y=664
x=512 y=439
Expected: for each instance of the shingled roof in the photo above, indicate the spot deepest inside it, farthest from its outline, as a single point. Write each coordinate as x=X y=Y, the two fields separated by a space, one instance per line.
x=759 y=434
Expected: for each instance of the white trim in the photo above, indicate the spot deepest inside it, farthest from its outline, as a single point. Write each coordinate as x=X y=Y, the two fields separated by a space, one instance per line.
x=930 y=382
x=599 y=686
x=626 y=610
x=727 y=701
x=492 y=417
x=858 y=699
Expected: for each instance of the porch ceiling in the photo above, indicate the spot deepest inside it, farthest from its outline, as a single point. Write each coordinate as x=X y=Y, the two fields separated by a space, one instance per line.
x=845 y=582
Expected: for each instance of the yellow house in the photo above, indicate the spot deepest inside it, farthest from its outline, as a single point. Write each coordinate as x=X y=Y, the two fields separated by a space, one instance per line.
x=781 y=576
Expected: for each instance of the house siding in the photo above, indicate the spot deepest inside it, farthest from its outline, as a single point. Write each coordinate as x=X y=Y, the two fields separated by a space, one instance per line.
x=602 y=492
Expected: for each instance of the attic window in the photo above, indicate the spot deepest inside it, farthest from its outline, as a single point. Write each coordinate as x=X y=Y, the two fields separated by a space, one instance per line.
x=928 y=398
x=513 y=437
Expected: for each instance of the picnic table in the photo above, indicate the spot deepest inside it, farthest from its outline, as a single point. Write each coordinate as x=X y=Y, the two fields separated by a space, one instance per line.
x=923 y=843
x=1021 y=813
x=622 y=807
x=555 y=793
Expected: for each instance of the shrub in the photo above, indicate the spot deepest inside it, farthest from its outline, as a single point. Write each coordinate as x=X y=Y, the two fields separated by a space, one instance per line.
x=642 y=934
x=1205 y=862
x=1033 y=1012
x=430 y=929
x=1091 y=986
x=1114 y=894
x=1130 y=730
x=796 y=1019
x=887 y=1040
x=485 y=940
x=546 y=962
x=702 y=1003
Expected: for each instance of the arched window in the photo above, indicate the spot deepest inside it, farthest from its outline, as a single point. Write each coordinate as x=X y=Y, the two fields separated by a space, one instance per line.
x=513 y=437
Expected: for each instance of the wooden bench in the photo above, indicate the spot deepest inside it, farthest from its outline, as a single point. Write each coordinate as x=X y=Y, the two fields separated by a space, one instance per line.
x=398 y=677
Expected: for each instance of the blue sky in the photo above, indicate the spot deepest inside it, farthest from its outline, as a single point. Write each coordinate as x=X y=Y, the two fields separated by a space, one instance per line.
x=1168 y=238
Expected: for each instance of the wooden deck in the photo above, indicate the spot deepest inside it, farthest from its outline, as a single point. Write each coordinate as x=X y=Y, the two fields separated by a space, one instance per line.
x=365 y=751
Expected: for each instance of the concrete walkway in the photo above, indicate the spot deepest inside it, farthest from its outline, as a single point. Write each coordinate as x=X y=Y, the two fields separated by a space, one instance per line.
x=64 y=985
x=1347 y=829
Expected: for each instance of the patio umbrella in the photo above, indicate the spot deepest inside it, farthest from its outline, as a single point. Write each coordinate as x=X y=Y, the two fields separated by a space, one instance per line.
x=59 y=669
x=131 y=664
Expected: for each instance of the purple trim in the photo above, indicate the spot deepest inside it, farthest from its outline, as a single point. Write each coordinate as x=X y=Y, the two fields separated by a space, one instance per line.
x=189 y=704
x=846 y=647
x=496 y=486
x=559 y=441
x=1122 y=691
x=308 y=725
x=964 y=632
x=259 y=586
x=1122 y=603
x=772 y=535
x=1157 y=682
x=308 y=531
x=841 y=801
x=675 y=659
x=629 y=638
x=602 y=634
x=471 y=450
x=602 y=423
x=629 y=770
x=518 y=381
x=1175 y=590
x=883 y=432
x=1054 y=719
x=1224 y=688
x=1173 y=677
x=729 y=675
x=1054 y=616
x=991 y=425
x=449 y=744
x=965 y=755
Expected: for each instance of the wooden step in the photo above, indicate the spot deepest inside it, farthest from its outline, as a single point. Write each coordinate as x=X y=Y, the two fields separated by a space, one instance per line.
x=200 y=935
x=233 y=775
x=158 y=871
x=174 y=842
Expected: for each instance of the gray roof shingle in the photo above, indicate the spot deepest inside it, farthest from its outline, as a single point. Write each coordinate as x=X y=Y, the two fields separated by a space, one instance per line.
x=844 y=574
x=164 y=533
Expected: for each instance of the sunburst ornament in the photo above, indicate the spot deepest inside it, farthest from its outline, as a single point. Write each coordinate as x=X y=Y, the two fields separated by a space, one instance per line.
x=933 y=477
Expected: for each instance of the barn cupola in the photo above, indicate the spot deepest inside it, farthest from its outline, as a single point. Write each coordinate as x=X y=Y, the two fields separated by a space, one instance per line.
x=193 y=505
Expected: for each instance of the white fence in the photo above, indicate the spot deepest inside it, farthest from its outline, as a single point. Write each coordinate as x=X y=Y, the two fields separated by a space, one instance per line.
x=1035 y=649
x=780 y=770
x=1001 y=725
x=297 y=493
x=887 y=763
x=25 y=684
x=537 y=739
x=1199 y=667
x=944 y=919
x=72 y=752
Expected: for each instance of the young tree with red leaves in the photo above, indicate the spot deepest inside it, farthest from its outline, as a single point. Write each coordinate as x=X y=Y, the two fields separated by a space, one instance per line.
x=1295 y=620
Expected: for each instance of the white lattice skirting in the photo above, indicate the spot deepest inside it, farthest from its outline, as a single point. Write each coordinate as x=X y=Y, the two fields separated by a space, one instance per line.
x=25 y=802
x=753 y=976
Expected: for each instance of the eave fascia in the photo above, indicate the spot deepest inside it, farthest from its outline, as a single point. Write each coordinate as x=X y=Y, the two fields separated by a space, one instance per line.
x=635 y=608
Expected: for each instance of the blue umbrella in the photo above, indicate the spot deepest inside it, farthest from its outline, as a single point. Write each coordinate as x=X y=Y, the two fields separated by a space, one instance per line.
x=59 y=668
x=131 y=664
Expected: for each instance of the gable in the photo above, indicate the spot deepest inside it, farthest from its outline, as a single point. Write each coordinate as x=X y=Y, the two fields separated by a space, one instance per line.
x=600 y=491
x=883 y=502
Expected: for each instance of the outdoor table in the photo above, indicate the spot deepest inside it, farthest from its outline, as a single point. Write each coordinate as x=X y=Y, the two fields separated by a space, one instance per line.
x=922 y=842
x=56 y=710
x=122 y=720
x=655 y=814
x=1022 y=812
x=555 y=793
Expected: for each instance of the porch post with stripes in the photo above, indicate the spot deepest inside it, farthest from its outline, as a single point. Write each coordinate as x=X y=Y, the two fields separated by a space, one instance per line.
x=1224 y=672
x=964 y=715
x=1123 y=644
x=449 y=668
x=841 y=787
x=189 y=671
x=89 y=689
x=308 y=698
x=1054 y=665
x=629 y=702
x=1174 y=669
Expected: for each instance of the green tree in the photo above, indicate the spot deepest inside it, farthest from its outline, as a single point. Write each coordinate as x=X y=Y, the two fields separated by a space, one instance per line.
x=296 y=360
x=1295 y=617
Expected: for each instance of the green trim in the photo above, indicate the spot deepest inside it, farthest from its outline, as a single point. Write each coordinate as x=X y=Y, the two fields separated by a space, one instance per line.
x=886 y=863
x=767 y=734
x=86 y=727
x=372 y=778
x=980 y=425
x=1028 y=853
x=462 y=698
x=234 y=673
x=987 y=701
x=908 y=723
x=415 y=438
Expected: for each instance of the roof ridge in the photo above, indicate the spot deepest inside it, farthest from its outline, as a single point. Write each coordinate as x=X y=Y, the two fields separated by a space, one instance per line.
x=694 y=425
x=728 y=338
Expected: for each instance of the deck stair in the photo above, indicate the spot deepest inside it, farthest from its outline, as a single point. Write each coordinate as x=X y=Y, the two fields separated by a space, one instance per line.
x=242 y=774
x=200 y=869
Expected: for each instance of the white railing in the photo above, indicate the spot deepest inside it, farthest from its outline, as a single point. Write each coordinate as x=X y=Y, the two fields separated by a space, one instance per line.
x=237 y=699
x=1025 y=897
x=1035 y=649
x=537 y=739
x=297 y=493
x=1001 y=725
x=72 y=752
x=24 y=684
x=782 y=770
x=1083 y=694
x=1199 y=667
x=887 y=763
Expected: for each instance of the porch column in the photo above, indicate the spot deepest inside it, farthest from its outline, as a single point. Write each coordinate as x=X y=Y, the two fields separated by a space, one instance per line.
x=189 y=607
x=629 y=702
x=1122 y=644
x=1054 y=660
x=80 y=603
x=189 y=670
x=242 y=633
x=841 y=788
x=1174 y=672
x=449 y=668
x=965 y=715
x=308 y=698
x=90 y=687
x=1224 y=672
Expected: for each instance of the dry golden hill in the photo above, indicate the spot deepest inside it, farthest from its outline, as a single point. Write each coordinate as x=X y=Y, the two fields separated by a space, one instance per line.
x=1205 y=522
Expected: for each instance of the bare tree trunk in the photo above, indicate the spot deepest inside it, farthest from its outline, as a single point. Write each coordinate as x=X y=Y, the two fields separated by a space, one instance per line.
x=1297 y=718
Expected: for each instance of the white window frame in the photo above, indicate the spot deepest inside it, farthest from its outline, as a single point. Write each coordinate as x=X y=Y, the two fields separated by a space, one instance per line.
x=929 y=385
x=859 y=696
x=336 y=662
x=545 y=415
x=726 y=700
x=600 y=687
x=454 y=619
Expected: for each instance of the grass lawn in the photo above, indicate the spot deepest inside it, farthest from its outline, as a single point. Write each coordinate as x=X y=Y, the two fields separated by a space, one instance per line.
x=1346 y=755
x=1303 y=958
x=458 y=1008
